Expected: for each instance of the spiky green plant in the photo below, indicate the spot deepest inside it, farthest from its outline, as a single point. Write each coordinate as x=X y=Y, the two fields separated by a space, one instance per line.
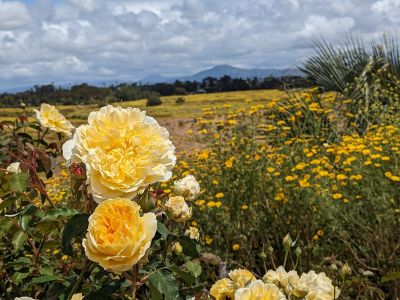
x=366 y=73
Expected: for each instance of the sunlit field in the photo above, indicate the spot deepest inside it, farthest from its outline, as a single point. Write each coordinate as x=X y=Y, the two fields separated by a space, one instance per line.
x=191 y=108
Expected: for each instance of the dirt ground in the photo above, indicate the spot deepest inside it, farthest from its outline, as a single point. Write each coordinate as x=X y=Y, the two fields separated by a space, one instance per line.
x=178 y=128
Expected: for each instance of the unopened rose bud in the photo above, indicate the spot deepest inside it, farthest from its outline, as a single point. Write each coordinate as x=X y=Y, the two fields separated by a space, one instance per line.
x=297 y=252
x=270 y=250
x=287 y=242
x=346 y=270
x=177 y=248
x=78 y=171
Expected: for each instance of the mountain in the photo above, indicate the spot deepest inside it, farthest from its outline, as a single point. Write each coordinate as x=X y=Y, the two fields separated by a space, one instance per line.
x=155 y=78
x=222 y=70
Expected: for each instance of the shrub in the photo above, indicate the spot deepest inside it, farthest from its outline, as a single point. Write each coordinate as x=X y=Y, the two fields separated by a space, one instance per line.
x=153 y=100
x=180 y=100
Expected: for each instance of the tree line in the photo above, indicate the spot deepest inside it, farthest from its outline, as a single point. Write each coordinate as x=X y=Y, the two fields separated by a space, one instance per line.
x=89 y=94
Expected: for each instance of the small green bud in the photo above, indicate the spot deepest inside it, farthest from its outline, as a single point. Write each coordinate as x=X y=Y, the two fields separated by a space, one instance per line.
x=297 y=252
x=287 y=242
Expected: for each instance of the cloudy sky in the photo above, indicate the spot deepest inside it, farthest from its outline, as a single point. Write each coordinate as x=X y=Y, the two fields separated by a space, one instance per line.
x=43 y=41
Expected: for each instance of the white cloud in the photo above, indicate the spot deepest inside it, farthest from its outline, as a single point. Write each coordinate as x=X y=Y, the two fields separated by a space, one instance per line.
x=91 y=40
x=13 y=15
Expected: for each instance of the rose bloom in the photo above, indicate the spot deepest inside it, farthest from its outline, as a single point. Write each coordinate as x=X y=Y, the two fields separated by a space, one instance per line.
x=118 y=237
x=279 y=277
x=320 y=287
x=77 y=296
x=241 y=277
x=50 y=117
x=259 y=290
x=187 y=187
x=124 y=151
x=222 y=289
x=177 y=209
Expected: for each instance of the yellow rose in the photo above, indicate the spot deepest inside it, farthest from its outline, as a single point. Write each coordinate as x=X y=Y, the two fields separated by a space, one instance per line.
x=177 y=209
x=241 y=277
x=50 y=117
x=77 y=296
x=118 y=237
x=259 y=290
x=320 y=287
x=222 y=289
x=124 y=152
x=279 y=277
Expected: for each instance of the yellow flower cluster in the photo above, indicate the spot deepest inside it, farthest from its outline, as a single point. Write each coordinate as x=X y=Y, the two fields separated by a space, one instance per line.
x=277 y=284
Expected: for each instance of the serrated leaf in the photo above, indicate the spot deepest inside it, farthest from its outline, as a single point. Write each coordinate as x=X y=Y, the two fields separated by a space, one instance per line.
x=19 y=239
x=75 y=227
x=18 y=277
x=161 y=229
x=47 y=270
x=193 y=267
x=44 y=279
x=185 y=276
x=391 y=276
x=55 y=213
x=19 y=181
x=165 y=284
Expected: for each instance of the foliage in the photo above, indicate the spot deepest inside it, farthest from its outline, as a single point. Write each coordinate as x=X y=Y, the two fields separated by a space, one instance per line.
x=153 y=100
x=297 y=165
x=368 y=75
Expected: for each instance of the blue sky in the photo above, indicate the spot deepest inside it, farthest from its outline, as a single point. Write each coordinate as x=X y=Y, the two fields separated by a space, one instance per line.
x=43 y=41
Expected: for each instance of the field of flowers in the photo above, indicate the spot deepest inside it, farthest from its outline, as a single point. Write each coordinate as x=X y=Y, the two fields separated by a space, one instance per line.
x=277 y=198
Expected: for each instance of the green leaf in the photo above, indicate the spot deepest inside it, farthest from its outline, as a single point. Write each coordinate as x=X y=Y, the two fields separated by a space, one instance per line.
x=193 y=267
x=19 y=181
x=185 y=276
x=5 y=225
x=161 y=229
x=55 y=213
x=190 y=247
x=46 y=270
x=46 y=227
x=44 y=279
x=165 y=284
x=24 y=222
x=19 y=239
x=391 y=276
x=106 y=291
x=6 y=203
x=75 y=227
x=20 y=263
x=18 y=277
